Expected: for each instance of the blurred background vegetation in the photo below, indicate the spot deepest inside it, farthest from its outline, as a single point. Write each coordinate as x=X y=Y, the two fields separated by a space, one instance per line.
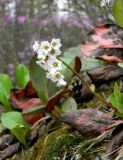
x=24 y=21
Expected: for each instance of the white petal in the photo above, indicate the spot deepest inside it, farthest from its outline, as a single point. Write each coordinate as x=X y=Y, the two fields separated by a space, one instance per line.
x=54 y=52
x=61 y=83
x=51 y=77
x=45 y=46
x=36 y=46
x=54 y=65
x=56 y=43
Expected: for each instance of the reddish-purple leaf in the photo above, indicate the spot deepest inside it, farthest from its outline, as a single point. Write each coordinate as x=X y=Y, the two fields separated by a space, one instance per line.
x=109 y=58
x=89 y=122
x=78 y=64
x=103 y=36
x=54 y=100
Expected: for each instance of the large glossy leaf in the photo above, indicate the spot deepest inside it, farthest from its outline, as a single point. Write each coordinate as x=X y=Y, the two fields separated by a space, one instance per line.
x=118 y=12
x=22 y=76
x=69 y=58
x=14 y=121
x=45 y=87
x=38 y=78
x=52 y=88
x=89 y=63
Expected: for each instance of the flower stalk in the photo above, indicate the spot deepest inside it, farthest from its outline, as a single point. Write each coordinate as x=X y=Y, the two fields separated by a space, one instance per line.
x=103 y=100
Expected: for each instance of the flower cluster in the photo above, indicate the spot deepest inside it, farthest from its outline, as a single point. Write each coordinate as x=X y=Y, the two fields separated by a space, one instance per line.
x=47 y=53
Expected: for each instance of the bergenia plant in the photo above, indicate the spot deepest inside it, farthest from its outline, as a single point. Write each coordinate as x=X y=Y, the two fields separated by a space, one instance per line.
x=48 y=58
x=47 y=53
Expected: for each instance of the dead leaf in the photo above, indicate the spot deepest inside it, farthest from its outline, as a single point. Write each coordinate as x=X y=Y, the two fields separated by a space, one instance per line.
x=54 y=100
x=78 y=64
x=28 y=92
x=103 y=36
x=109 y=58
x=105 y=74
x=89 y=122
x=27 y=104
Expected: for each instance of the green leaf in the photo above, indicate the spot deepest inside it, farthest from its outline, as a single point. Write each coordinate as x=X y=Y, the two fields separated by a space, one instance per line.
x=22 y=76
x=66 y=71
x=5 y=88
x=118 y=12
x=15 y=122
x=45 y=87
x=69 y=58
x=52 y=88
x=20 y=129
x=69 y=105
x=120 y=65
x=4 y=99
x=34 y=109
x=72 y=52
x=6 y=82
x=116 y=99
x=42 y=96
x=38 y=78
x=89 y=63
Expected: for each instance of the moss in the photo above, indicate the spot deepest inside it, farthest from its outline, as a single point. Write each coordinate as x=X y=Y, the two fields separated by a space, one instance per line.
x=55 y=144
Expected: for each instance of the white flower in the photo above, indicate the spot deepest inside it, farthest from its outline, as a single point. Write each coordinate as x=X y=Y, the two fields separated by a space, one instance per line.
x=47 y=58
x=41 y=55
x=56 y=77
x=54 y=65
x=45 y=47
x=54 y=52
x=36 y=46
x=61 y=83
x=55 y=43
x=104 y=2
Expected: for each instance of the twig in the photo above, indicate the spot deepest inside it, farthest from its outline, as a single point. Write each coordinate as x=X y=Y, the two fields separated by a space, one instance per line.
x=39 y=121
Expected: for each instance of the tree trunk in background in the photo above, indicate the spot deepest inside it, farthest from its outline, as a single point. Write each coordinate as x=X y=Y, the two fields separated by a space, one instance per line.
x=21 y=34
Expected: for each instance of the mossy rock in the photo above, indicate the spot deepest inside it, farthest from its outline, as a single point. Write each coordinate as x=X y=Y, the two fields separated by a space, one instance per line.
x=55 y=145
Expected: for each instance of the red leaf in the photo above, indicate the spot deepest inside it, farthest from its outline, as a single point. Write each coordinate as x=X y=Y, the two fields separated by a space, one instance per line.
x=54 y=100
x=77 y=64
x=103 y=36
x=25 y=99
x=25 y=105
x=109 y=59
x=89 y=122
